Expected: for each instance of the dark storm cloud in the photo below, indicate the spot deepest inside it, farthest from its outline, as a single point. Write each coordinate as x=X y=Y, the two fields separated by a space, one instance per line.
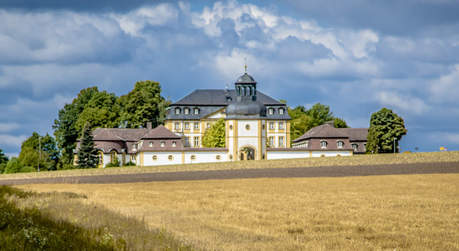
x=76 y=5
x=386 y=16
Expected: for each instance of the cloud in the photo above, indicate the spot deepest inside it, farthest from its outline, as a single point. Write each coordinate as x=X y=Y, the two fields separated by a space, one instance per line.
x=446 y=88
x=7 y=127
x=12 y=140
x=403 y=102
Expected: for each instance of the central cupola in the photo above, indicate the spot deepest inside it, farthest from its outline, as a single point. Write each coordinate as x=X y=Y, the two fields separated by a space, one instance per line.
x=246 y=88
x=246 y=104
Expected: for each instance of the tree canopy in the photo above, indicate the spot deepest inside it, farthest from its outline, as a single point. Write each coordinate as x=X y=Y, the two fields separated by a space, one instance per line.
x=30 y=152
x=102 y=109
x=215 y=136
x=304 y=119
x=143 y=104
x=386 y=127
x=3 y=157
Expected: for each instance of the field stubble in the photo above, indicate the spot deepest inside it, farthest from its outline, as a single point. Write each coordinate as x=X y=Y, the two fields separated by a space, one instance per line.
x=403 y=212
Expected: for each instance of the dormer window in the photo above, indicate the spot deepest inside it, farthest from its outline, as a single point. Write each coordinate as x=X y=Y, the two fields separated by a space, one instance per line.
x=177 y=110
x=355 y=147
x=340 y=144
x=186 y=110
x=270 y=111
x=196 y=111
x=163 y=144
x=150 y=144
x=281 y=110
x=323 y=144
x=174 y=144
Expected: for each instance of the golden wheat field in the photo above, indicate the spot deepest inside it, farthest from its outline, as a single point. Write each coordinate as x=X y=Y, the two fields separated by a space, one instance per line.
x=365 y=159
x=398 y=212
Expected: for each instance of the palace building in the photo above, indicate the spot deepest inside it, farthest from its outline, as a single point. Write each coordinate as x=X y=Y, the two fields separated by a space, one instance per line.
x=257 y=127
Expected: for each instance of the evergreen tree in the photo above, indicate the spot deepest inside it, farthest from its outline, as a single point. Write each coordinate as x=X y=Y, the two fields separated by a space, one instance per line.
x=215 y=136
x=64 y=126
x=87 y=154
x=386 y=130
x=3 y=157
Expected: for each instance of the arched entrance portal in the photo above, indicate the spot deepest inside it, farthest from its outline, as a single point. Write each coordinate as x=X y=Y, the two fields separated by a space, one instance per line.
x=247 y=153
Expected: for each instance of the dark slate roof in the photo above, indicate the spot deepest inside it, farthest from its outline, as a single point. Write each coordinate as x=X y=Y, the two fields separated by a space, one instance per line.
x=356 y=134
x=203 y=111
x=323 y=131
x=246 y=78
x=160 y=132
x=217 y=97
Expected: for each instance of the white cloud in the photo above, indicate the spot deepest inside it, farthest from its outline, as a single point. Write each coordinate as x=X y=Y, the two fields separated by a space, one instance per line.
x=133 y=22
x=12 y=140
x=403 y=102
x=7 y=127
x=446 y=88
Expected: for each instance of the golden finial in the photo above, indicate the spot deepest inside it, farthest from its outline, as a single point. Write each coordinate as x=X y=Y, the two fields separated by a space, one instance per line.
x=245 y=64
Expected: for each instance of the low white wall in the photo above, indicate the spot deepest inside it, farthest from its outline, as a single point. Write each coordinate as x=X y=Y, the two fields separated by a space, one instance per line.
x=205 y=157
x=305 y=154
x=287 y=155
x=162 y=158
x=331 y=153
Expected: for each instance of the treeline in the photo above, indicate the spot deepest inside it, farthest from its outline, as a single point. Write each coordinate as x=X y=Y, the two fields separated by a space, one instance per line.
x=97 y=109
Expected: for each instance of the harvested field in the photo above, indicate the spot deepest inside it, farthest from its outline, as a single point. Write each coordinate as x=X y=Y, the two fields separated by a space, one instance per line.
x=331 y=171
x=357 y=160
x=393 y=212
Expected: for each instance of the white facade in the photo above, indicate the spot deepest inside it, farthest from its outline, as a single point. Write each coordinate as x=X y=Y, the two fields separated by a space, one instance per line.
x=305 y=154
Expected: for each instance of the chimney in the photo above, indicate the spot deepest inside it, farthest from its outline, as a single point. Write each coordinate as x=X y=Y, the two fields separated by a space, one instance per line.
x=149 y=125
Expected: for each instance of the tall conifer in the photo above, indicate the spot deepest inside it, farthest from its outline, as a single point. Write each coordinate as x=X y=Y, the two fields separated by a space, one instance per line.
x=87 y=154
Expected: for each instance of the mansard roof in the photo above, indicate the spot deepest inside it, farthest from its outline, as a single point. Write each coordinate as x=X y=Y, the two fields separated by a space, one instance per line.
x=123 y=134
x=356 y=134
x=327 y=130
x=219 y=97
x=160 y=132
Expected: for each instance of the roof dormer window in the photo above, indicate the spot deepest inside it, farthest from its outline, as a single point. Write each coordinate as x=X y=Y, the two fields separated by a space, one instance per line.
x=340 y=144
x=163 y=144
x=150 y=144
x=270 y=111
x=174 y=144
x=323 y=144
x=186 y=110
x=196 y=111
x=281 y=110
x=177 y=110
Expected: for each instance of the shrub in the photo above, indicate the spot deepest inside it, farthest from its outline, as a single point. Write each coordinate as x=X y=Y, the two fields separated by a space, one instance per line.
x=130 y=163
x=115 y=163
x=29 y=169
x=13 y=166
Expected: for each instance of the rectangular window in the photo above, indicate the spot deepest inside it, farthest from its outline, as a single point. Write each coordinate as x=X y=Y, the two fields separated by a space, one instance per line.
x=281 y=141
x=196 y=110
x=281 y=125
x=187 y=126
x=177 y=126
x=196 y=141
x=187 y=111
x=271 y=141
x=196 y=126
x=271 y=125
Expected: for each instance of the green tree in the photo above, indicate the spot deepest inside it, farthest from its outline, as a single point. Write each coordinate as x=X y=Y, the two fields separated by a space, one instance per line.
x=31 y=151
x=339 y=123
x=3 y=157
x=102 y=110
x=303 y=119
x=215 y=136
x=64 y=126
x=143 y=104
x=386 y=127
x=13 y=166
x=319 y=114
x=87 y=154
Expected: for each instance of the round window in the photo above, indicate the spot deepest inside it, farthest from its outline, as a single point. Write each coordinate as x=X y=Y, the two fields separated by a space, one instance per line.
x=170 y=157
x=217 y=157
x=155 y=157
x=193 y=157
x=247 y=127
x=231 y=127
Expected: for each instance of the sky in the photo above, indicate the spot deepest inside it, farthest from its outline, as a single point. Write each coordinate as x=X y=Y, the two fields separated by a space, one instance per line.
x=356 y=56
